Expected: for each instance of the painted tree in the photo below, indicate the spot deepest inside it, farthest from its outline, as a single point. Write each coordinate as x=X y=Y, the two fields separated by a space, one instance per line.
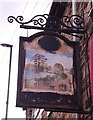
x=39 y=60
x=58 y=68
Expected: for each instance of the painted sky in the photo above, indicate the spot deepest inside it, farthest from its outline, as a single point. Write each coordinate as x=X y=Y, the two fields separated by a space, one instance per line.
x=65 y=59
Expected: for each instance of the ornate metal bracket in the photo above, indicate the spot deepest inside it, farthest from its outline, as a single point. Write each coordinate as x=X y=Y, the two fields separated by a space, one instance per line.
x=68 y=25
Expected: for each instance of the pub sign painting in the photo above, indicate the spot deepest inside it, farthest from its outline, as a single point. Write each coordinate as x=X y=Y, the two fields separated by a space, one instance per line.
x=47 y=72
x=44 y=74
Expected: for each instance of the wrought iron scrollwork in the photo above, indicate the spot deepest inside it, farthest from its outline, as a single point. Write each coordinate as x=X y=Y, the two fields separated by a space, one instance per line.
x=36 y=20
x=75 y=22
x=18 y=19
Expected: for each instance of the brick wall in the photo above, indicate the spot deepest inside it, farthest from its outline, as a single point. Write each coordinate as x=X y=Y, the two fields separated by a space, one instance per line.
x=84 y=56
x=84 y=59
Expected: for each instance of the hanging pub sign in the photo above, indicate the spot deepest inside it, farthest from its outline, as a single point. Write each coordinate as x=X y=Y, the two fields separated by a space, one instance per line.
x=49 y=73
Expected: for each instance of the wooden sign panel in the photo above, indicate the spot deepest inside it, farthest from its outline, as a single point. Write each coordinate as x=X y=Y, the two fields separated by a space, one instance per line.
x=49 y=79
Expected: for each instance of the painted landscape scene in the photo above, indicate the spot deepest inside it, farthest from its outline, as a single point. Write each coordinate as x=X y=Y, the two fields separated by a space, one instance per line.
x=47 y=72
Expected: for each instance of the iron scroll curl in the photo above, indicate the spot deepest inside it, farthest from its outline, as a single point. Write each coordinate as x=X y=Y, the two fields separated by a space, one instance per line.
x=74 y=21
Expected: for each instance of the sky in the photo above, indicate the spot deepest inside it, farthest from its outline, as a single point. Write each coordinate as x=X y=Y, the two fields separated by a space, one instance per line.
x=9 y=34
